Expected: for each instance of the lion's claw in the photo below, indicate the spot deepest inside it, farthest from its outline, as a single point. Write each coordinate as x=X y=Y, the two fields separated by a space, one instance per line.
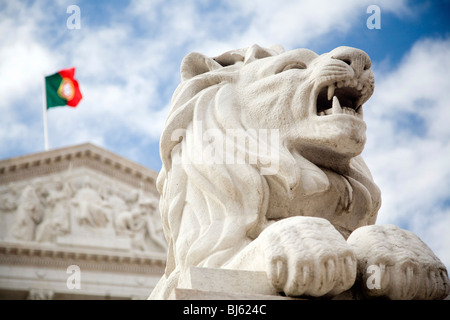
x=307 y=256
x=405 y=266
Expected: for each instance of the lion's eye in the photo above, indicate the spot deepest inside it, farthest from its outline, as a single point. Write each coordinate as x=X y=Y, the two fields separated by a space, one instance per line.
x=295 y=65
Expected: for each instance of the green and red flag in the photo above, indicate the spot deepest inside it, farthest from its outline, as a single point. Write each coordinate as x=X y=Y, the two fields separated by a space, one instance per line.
x=62 y=89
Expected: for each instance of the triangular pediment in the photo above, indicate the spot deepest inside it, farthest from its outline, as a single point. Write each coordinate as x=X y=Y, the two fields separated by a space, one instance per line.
x=86 y=155
x=81 y=198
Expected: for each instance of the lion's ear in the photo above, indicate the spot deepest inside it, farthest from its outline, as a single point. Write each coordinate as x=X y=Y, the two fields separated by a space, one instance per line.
x=256 y=52
x=195 y=63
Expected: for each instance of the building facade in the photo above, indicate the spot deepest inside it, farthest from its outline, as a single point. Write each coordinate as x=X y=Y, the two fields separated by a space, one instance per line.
x=79 y=223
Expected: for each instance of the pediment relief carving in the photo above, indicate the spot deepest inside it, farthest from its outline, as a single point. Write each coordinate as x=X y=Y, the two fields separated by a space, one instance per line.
x=81 y=207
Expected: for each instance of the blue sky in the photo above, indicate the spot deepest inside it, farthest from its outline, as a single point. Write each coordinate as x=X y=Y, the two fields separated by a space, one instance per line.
x=128 y=53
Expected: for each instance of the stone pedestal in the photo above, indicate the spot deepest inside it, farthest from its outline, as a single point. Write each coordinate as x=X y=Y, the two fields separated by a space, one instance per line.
x=226 y=284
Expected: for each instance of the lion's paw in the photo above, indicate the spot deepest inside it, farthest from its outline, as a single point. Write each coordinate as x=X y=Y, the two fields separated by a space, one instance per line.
x=394 y=263
x=307 y=256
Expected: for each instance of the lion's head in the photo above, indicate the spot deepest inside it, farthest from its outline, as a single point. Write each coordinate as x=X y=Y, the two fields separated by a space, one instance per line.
x=303 y=109
x=316 y=102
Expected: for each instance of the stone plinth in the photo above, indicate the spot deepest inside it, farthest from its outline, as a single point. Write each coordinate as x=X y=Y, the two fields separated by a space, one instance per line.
x=226 y=284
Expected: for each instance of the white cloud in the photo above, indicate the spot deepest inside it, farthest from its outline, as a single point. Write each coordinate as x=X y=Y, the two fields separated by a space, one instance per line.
x=294 y=23
x=24 y=59
x=408 y=147
x=434 y=230
x=118 y=74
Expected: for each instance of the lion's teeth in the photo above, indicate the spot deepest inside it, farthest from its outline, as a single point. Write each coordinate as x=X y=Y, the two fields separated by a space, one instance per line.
x=349 y=111
x=328 y=111
x=331 y=88
x=359 y=87
x=360 y=112
x=336 y=109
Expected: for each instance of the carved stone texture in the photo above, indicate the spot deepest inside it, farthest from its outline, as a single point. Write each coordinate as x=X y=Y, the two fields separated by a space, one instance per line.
x=91 y=208
x=80 y=206
x=262 y=171
x=57 y=219
x=408 y=269
x=29 y=214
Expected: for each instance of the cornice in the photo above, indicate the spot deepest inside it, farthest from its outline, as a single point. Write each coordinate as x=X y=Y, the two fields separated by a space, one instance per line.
x=41 y=255
x=88 y=155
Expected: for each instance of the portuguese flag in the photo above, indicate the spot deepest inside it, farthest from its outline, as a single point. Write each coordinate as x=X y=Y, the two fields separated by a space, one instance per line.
x=62 y=89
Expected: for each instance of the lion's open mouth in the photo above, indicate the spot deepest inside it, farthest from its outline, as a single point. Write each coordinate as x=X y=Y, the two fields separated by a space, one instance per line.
x=342 y=97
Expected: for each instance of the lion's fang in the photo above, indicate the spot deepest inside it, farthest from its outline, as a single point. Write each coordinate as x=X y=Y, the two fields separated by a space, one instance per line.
x=331 y=88
x=336 y=106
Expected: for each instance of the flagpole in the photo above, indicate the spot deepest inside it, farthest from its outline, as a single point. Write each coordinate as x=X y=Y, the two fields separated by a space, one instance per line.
x=44 y=114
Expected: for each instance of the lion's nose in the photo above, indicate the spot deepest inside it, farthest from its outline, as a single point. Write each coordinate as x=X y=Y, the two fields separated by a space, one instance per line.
x=356 y=58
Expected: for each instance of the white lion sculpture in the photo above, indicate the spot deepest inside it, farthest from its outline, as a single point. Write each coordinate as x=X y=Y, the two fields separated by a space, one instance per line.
x=304 y=212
